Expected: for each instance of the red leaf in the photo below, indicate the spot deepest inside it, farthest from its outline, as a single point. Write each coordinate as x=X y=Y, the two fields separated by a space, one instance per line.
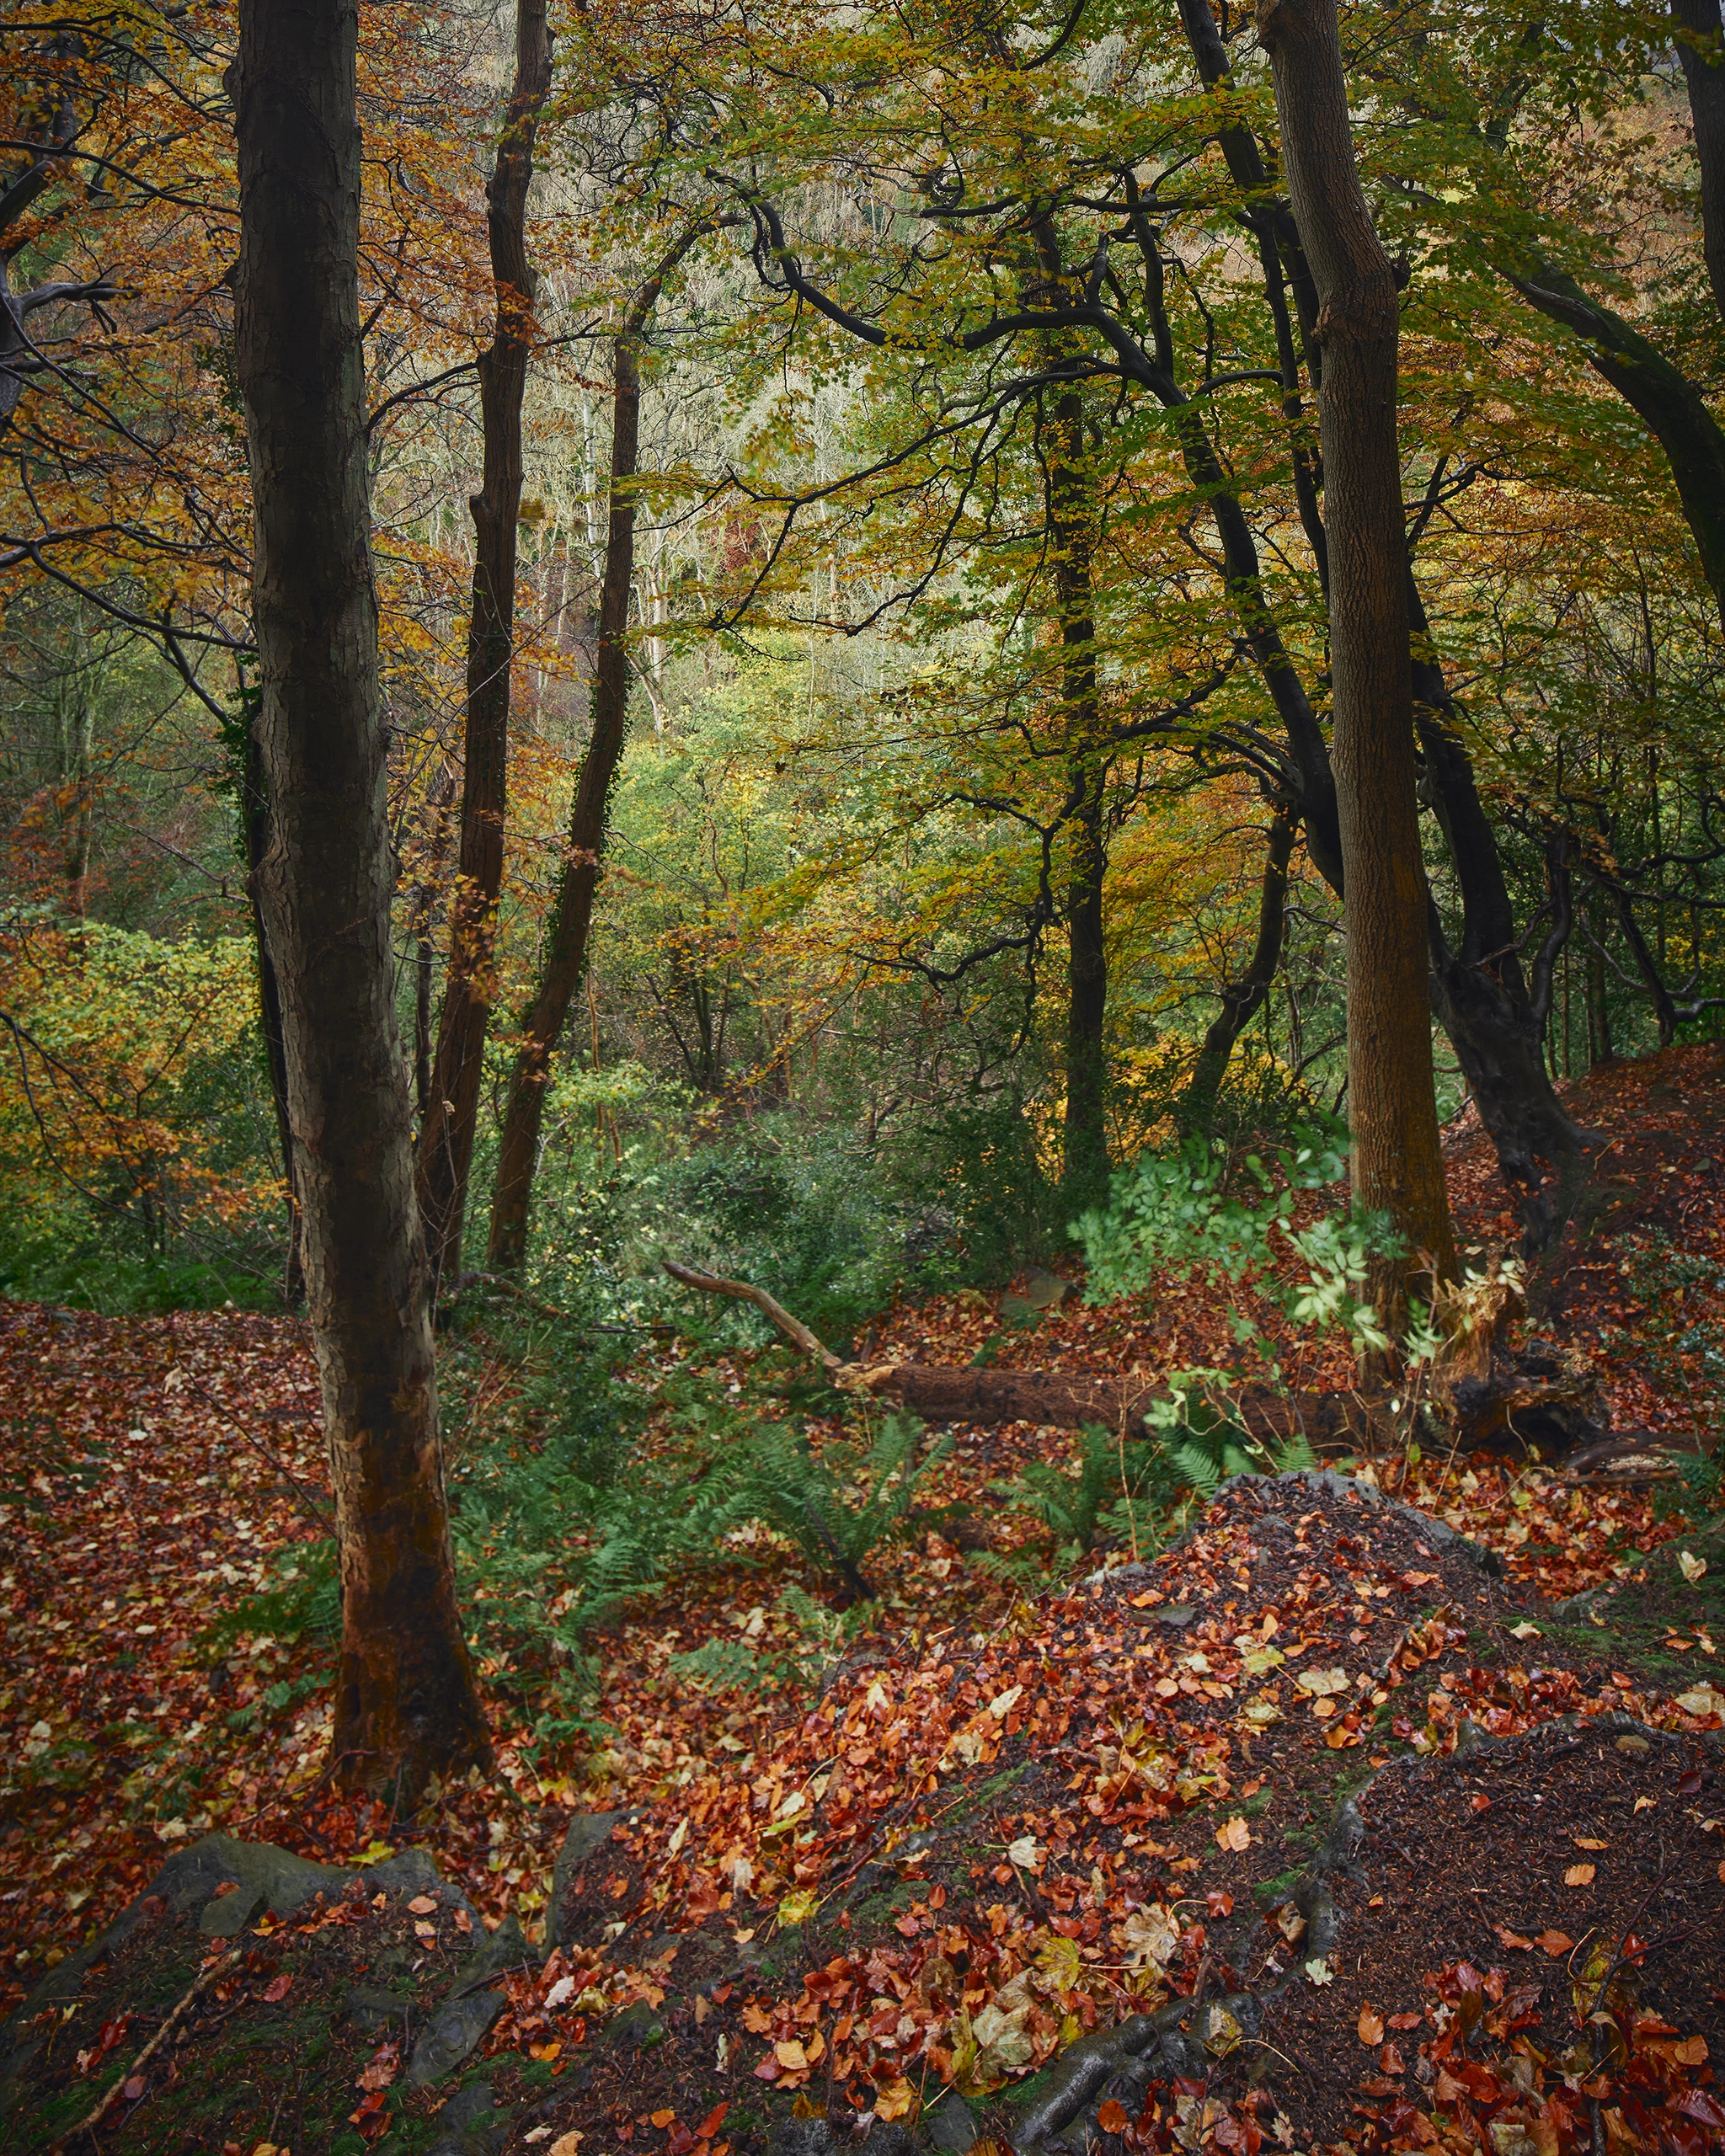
x=278 y=1988
x=713 y=2120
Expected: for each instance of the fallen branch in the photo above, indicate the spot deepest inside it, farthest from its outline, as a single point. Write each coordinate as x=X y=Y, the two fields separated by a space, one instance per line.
x=206 y=1977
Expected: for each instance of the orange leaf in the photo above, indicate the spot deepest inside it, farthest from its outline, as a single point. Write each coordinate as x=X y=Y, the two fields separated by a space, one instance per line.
x=1371 y=2027
x=713 y=2120
x=277 y=1987
x=664 y=2118
x=1511 y=1937
x=1235 y=1834
x=423 y=1905
x=790 y=2055
x=1578 y=1875
x=1111 y=2117
x=1555 y=1943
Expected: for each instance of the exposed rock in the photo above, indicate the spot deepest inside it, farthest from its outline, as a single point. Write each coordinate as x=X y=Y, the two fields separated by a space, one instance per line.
x=452 y=2030
x=588 y=1832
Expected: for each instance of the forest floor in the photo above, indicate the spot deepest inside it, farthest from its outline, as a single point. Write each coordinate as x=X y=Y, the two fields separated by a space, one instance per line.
x=1005 y=1823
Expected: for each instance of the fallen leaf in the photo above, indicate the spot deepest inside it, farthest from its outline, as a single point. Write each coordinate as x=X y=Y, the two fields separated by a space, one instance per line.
x=1319 y=1972
x=567 y=2144
x=894 y=2101
x=790 y=2055
x=1555 y=1943
x=663 y=2118
x=1702 y=1700
x=1582 y=1842
x=1406 y=2020
x=1525 y=1631
x=799 y=1907
x=562 y=1989
x=1370 y=2027
x=277 y=1987
x=1000 y=1707
x=1694 y=1568
x=423 y=1905
x=1111 y=2117
x=1234 y=1834
x=713 y=2120
x=1578 y=1875
x=1511 y=1939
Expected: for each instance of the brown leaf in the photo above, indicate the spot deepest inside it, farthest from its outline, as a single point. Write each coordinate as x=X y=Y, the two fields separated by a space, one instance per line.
x=1578 y=1875
x=1511 y=1937
x=1371 y=2027
x=277 y=1987
x=1111 y=2117
x=422 y=1905
x=1555 y=1943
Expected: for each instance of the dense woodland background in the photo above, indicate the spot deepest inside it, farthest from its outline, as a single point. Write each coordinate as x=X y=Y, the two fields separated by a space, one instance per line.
x=876 y=886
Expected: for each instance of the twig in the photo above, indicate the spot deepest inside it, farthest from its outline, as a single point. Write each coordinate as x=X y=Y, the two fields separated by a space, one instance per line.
x=205 y=1977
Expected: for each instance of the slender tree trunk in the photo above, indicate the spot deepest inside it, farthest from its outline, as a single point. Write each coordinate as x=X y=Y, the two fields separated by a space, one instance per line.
x=1071 y=501
x=1241 y=997
x=406 y=1704
x=1671 y=406
x=1398 y=1163
x=452 y=1111
x=254 y=812
x=1700 y=48
x=1481 y=997
x=439 y=799
x=566 y=944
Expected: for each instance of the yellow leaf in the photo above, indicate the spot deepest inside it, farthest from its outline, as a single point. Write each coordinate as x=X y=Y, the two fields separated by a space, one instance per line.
x=895 y=2100
x=799 y=1907
x=790 y=2055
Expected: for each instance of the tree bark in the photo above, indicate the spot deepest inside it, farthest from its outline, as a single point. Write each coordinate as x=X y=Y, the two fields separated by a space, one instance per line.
x=1243 y=996
x=566 y=943
x=1480 y=995
x=1700 y=49
x=1661 y=394
x=406 y=1704
x=446 y=1156
x=1071 y=517
x=1397 y=1159
x=254 y=816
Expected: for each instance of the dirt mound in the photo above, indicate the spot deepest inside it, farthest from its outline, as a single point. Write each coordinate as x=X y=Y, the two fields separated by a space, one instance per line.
x=1001 y=1884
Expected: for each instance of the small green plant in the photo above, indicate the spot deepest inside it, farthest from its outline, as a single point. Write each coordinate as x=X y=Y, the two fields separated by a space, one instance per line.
x=1176 y=1209
x=1135 y=1493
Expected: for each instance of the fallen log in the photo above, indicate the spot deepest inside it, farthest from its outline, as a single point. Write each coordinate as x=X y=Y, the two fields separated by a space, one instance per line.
x=940 y=1392
x=1485 y=1395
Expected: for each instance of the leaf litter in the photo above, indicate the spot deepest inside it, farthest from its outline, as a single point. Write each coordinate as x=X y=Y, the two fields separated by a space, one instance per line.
x=1008 y=1823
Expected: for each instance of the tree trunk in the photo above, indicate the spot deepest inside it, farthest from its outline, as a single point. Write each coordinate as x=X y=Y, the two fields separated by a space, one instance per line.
x=1700 y=48
x=1398 y=1163
x=452 y=1111
x=566 y=944
x=1071 y=517
x=1664 y=398
x=406 y=1704
x=1241 y=997
x=254 y=814
x=1479 y=994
